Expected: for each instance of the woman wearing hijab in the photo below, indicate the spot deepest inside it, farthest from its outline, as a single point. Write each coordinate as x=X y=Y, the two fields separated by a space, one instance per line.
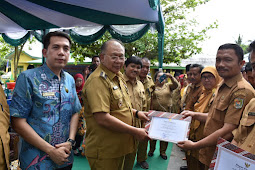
x=79 y=83
x=210 y=80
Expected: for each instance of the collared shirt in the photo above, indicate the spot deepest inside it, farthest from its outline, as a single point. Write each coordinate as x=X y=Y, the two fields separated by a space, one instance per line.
x=230 y=100
x=162 y=97
x=136 y=94
x=137 y=97
x=246 y=130
x=107 y=92
x=149 y=87
x=48 y=104
x=193 y=96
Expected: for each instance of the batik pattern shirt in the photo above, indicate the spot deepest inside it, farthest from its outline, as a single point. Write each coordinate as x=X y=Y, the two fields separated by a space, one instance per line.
x=47 y=104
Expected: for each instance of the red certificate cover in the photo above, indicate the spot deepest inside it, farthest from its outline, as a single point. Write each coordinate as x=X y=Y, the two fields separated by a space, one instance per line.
x=226 y=144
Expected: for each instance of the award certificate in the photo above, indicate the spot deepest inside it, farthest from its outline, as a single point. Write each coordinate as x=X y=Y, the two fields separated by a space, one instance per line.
x=169 y=130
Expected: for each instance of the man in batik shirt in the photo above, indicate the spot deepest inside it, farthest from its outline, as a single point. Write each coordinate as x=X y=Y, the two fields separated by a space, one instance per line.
x=44 y=109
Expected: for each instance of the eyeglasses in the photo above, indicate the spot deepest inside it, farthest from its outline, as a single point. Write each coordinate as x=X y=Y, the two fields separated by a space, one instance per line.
x=207 y=77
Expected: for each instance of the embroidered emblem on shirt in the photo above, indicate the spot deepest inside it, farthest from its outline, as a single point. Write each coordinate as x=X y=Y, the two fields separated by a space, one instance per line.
x=251 y=114
x=48 y=94
x=238 y=103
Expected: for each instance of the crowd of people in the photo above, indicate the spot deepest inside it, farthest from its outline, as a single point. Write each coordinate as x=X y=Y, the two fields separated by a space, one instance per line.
x=111 y=108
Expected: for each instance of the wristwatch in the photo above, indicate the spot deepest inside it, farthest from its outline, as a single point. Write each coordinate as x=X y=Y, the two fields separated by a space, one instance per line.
x=71 y=141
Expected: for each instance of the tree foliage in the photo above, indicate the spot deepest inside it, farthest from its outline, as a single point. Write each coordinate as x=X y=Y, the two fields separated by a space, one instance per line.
x=181 y=40
x=245 y=47
x=4 y=50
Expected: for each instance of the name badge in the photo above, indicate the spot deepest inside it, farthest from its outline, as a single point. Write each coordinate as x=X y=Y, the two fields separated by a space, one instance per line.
x=115 y=87
x=48 y=94
x=251 y=113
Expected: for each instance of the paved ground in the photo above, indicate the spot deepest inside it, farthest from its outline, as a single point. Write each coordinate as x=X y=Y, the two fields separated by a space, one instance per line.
x=176 y=161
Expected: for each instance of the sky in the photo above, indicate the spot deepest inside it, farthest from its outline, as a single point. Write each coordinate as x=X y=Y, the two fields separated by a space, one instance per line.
x=234 y=18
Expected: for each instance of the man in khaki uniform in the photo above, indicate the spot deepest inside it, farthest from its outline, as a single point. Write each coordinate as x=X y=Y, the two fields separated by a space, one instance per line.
x=136 y=91
x=194 y=93
x=110 y=134
x=244 y=136
x=4 y=135
x=147 y=81
x=231 y=97
x=149 y=88
x=196 y=86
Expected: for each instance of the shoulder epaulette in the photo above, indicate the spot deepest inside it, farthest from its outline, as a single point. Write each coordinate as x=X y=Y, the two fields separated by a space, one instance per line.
x=102 y=74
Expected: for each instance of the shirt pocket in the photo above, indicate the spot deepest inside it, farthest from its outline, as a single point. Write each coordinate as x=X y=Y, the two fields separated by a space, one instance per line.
x=249 y=121
x=142 y=99
x=220 y=112
x=116 y=100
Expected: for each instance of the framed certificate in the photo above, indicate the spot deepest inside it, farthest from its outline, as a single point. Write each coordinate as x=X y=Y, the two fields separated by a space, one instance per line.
x=228 y=156
x=169 y=127
x=169 y=130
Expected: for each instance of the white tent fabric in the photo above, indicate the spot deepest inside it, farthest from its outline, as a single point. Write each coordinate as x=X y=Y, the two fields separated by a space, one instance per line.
x=58 y=13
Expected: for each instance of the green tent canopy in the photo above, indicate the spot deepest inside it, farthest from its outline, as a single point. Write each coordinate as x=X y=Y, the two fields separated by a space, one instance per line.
x=85 y=20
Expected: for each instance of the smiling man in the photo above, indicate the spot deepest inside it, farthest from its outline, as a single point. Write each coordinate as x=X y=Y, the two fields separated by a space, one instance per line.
x=110 y=135
x=244 y=136
x=136 y=91
x=195 y=90
x=232 y=96
x=44 y=109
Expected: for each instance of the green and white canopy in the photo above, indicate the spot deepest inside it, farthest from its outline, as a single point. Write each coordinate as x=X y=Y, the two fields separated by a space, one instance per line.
x=86 y=20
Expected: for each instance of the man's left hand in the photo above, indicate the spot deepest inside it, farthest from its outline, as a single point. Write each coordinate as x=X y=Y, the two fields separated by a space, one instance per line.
x=186 y=145
x=65 y=144
x=143 y=116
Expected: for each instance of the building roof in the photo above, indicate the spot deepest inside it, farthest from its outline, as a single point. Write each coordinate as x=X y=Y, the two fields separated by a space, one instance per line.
x=10 y=55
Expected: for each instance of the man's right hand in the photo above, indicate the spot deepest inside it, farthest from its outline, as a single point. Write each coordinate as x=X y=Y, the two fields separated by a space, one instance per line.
x=187 y=113
x=141 y=134
x=59 y=155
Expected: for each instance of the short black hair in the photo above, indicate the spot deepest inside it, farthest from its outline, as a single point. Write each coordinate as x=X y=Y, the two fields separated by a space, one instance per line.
x=105 y=44
x=96 y=56
x=238 y=50
x=248 y=67
x=135 y=60
x=46 y=39
x=252 y=46
x=197 y=65
x=187 y=67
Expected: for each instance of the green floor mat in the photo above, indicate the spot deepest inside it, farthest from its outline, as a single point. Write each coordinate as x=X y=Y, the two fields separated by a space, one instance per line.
x=155 y=162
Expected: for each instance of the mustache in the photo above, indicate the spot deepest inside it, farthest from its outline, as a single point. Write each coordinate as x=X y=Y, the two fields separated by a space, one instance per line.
x=221 y=69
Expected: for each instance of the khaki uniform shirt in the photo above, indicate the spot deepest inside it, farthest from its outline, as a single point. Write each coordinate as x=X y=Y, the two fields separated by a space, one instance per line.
x=137 y=96
x=4 y=135
x=193 y=95
x=162 y=97
x=105 y=91
x=230 y=100
x=245 y=134
x=176 y=105
x=149 y=87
